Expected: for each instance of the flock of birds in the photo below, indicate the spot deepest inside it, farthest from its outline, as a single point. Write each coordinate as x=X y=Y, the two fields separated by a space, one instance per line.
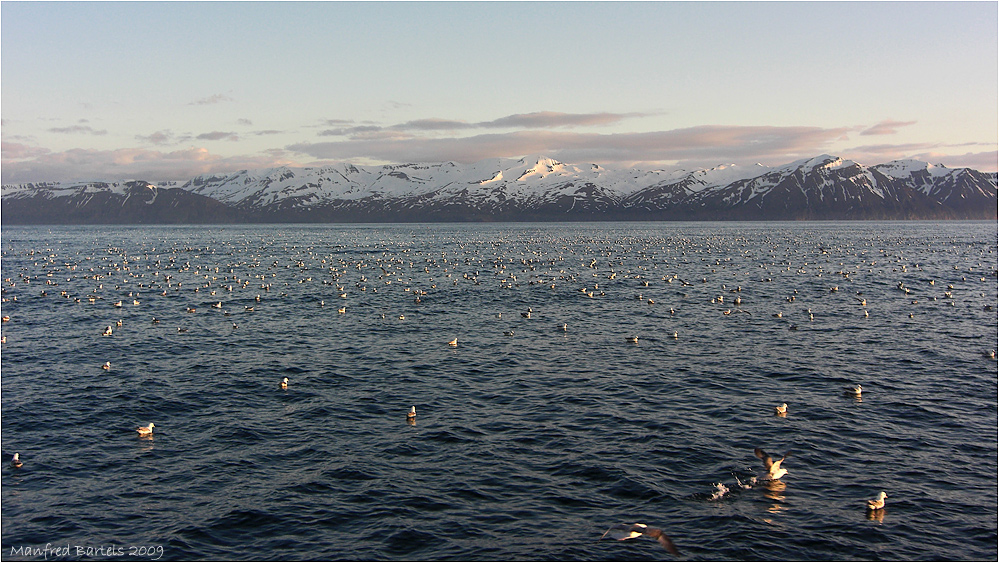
x=125 y=275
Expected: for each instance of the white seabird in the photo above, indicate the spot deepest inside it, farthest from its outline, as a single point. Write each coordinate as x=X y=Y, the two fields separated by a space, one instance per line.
x=781 y=410
x=774 y=470
x=15 y=462
x=106 y=366
x=145 y=430
x=878 y=503
x=284 y=383
x=854 y=390
x=453 y=343
x=411 y=413
x=623 y=532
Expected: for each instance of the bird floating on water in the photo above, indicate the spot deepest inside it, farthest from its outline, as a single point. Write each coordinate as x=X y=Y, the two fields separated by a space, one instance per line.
x=15 y=462
x=453 y=343
x=145 y=430
x=411 y=413
x=107 y=331
x=284 y=383
x=878 y=503
x=854 y=390
x=774 y=470
x=106 y=366
x=623 y=532
x=633 y=339
x=781 y=410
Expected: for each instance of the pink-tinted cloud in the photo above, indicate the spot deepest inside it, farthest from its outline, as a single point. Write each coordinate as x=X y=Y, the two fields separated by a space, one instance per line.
x=714 y=143
x=886 y=127
x=25 y=164
x=11 y=152
x=987 y=161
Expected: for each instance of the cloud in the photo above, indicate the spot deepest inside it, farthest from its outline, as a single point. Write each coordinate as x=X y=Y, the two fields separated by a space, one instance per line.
x=72 y=129
x=218 y=136
x=552 y=119
x=10 y=152
x=32 y=164
x=535 y=120
x=432 y=124
x=707 y=144
x=164 y=137
x=213 y=99
x=244 y=121
x=987 y=161
x=886 y=127
x=350 y=131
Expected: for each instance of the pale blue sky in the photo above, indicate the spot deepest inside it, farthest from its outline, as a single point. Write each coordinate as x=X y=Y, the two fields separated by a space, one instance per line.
x=168 y=90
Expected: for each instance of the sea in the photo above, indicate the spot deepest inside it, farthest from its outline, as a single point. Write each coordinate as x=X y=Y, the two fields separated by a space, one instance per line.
x=566 y=378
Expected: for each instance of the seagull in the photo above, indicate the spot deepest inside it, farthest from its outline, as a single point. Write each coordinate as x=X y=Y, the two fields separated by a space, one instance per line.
x=623 y=532
x=633 y=339
x=855 y=390
x=145 y=430
x=453 y=343
x=15 y=462
x=107 y=331
x=411 y=413
x=781 y=410
x=508 y=333
x=106 y=366
x=878 y=503
x=284 y=383
x=774 y=470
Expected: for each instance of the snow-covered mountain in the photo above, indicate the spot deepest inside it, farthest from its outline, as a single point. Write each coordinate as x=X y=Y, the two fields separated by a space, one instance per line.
x=532 y=188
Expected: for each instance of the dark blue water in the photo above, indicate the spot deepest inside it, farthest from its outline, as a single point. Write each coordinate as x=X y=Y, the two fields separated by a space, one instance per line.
x=525 y=446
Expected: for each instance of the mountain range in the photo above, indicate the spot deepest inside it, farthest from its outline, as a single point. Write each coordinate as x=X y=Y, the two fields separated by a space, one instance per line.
x=529 y=189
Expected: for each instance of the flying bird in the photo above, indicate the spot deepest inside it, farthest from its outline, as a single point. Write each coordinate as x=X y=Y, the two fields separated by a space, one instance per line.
x=623 y=532
x=774 y=470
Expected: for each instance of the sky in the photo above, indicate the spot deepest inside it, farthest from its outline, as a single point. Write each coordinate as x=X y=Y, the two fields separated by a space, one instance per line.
x=164 y=91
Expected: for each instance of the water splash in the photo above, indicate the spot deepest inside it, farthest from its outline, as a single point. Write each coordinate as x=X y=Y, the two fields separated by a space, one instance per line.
x=720 y=491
